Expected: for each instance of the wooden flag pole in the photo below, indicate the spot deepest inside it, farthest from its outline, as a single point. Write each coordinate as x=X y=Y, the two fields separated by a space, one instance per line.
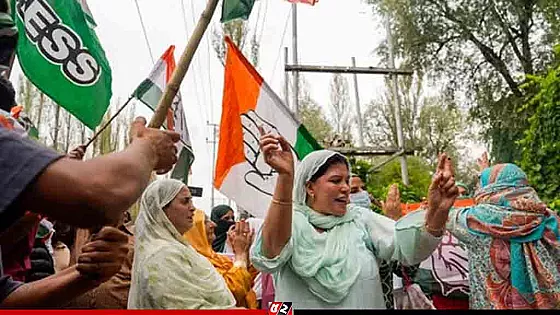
x=179 y=74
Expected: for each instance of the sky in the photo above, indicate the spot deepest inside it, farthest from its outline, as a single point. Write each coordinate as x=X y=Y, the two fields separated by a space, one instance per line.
x=329 y=33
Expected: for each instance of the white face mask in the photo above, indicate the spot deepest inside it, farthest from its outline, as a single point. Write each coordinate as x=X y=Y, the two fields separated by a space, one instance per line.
x=361 y=199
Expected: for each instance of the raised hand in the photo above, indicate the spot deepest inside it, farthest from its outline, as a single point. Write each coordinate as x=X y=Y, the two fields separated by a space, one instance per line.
x=103 y=256
x=483 y=162
x=241 y=238
x=441 y=196
x=277 y=153
x=78 y=153
x=443 y=192
x=161 y=141
x=392 y=206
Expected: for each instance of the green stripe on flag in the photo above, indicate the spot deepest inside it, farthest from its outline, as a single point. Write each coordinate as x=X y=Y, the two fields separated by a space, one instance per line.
x=236 y=9
x=183 y=165
x=148 y=93
x=305 y=143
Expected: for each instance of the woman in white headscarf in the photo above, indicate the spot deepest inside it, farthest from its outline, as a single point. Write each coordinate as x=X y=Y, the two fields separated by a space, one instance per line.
x=322 y=250
x=167 y=272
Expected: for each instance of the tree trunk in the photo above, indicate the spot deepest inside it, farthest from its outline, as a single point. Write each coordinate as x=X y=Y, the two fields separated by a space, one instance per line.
x=56 y=127
x=40 y=113
x=68 y=132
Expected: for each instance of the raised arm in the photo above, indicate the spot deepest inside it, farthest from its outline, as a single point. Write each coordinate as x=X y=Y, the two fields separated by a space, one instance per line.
x=277 y=226
x=96 y=192
x=441 y=196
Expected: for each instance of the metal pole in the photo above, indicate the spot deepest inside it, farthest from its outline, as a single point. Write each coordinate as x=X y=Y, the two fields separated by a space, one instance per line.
x=339 y=69
x=214 y=127
x=287 y=80
x=358 y=111
x=395 y=88
x=295 y=59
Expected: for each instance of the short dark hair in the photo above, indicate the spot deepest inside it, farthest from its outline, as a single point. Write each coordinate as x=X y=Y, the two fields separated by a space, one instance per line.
x=7 y=94
x=333 y=160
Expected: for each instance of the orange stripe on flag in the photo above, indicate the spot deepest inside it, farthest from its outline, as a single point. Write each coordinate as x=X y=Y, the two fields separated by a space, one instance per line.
x=169 y=58
x=242 y=85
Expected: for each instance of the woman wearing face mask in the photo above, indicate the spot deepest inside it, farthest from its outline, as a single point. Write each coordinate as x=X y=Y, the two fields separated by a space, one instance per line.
x=322 y=250
x=223 y=217
x=358 y=193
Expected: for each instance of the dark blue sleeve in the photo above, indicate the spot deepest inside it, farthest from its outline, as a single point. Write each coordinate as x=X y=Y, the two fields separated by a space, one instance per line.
x=21 y=161
x=7 y=285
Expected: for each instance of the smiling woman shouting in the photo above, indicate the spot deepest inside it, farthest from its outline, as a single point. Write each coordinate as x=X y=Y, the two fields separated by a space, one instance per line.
x=324 y=251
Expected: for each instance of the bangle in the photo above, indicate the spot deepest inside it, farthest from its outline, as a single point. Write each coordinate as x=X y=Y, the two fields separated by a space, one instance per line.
x=282 y=203
x=434 y=231
x=240 y=264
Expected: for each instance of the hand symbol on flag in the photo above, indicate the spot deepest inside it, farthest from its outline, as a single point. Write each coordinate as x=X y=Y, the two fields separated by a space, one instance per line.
x=261 y=177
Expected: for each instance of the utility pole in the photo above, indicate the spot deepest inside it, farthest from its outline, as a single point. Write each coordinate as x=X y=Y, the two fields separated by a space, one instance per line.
x=395 y=88
x=213 y=141
x=287 y=81
x=295 y=59
x=358 y=111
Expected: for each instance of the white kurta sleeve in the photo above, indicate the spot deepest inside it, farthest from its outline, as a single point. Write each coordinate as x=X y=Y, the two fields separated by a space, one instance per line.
x=406 y=240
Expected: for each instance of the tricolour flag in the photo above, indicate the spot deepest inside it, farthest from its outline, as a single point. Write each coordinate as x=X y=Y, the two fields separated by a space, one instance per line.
x=16 y=120
x=311 y=2
x=150 y=92
x=60 y=53
x=248 y=102
x=236 y=9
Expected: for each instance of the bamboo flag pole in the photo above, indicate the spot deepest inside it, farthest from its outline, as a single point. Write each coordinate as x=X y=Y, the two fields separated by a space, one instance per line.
x=179 y=74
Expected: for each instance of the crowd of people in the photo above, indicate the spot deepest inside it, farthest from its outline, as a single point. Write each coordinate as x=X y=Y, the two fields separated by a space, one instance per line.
x=67 y=239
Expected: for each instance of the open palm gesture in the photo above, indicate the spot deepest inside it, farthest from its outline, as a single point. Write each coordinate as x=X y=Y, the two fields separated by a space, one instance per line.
x=443 y=192
x=277 y=153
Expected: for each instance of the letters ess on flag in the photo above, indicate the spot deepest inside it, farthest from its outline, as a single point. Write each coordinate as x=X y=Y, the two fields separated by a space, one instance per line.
x=248 y=102
x=150 y=92
x=60 y=53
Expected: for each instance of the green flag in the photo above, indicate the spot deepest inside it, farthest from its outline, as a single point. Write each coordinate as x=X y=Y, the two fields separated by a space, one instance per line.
x=235 y=9
x=60 y=53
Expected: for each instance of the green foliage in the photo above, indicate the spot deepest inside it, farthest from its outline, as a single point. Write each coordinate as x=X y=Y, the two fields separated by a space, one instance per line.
x=482 y=50
x=341 y=113
x=312 y=115
x=378 y=182
x=439 y=126
x=541 y=144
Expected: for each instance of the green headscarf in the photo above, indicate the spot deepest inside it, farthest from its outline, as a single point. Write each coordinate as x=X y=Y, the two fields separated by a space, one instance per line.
x=325 y=261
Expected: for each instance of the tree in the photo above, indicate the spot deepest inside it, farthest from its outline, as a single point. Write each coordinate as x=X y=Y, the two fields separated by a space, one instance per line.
x=379 y=117
x=541 y=144
x=238 y=30
x=379 y=181
x=312 y=116
x=439 y=128
x=340 y=106
x=479 y=48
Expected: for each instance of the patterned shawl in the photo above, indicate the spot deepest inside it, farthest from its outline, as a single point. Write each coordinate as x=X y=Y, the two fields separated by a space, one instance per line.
x=525 y=247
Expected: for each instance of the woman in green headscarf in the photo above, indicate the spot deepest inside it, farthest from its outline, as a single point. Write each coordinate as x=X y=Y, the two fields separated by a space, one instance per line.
x=322 y=250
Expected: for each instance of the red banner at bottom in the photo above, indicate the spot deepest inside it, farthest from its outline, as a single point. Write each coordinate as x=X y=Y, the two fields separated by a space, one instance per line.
x=143 y=312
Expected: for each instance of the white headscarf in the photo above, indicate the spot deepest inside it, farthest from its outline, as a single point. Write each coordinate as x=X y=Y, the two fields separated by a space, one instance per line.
x=325 y=261
x=167 y=272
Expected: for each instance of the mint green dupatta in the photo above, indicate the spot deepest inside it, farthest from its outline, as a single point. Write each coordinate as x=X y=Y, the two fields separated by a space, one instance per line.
x=325 y=261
